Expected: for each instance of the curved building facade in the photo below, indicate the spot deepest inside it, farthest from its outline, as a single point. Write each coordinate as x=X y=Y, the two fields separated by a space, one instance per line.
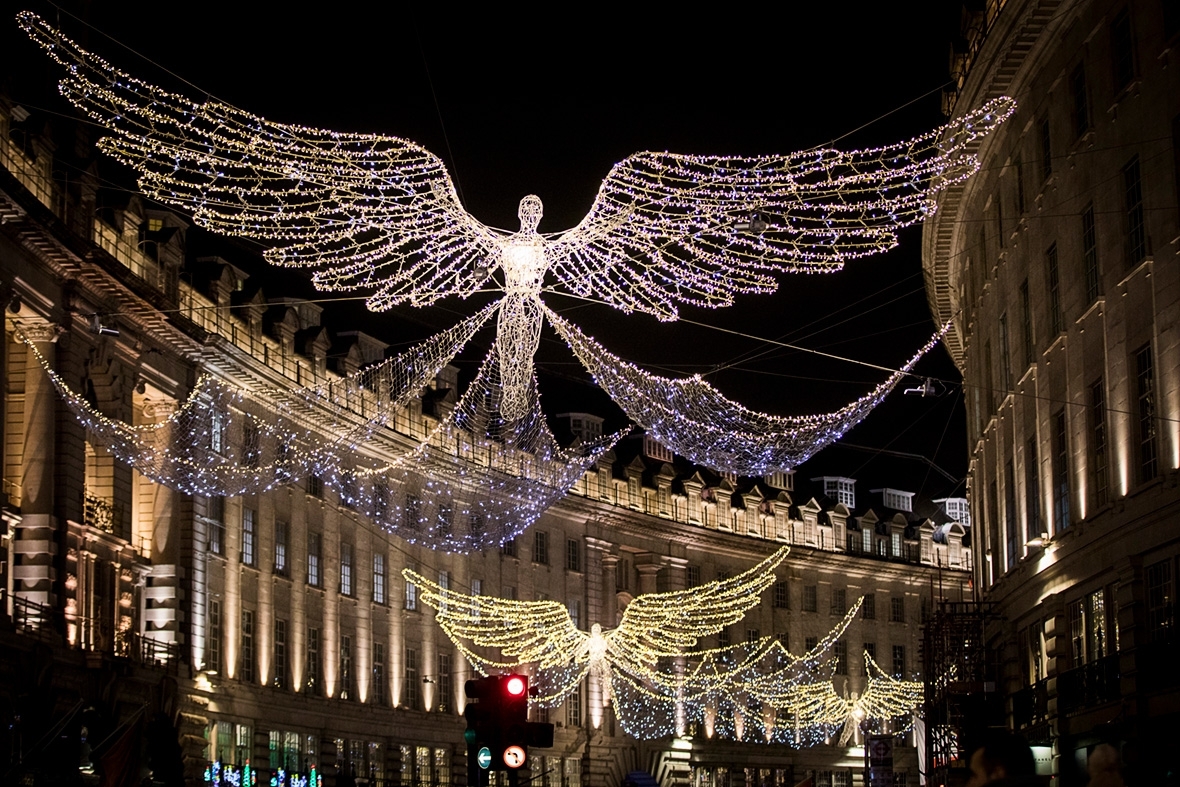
x=1057 y=265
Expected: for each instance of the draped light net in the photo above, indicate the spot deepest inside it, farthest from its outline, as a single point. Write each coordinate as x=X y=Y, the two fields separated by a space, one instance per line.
x=693 y=419
x=381 y=214
x=651 y=666
x=477 y=479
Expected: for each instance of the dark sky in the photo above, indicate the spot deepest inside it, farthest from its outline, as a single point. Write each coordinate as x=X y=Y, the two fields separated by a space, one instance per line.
x=545 y=102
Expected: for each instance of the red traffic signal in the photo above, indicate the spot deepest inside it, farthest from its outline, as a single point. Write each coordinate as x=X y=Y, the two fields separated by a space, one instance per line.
x=516 y=685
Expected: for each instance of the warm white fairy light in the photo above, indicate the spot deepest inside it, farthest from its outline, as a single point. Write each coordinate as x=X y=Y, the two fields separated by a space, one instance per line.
x=654 y=626
x=693 y=419
x=654 y=672
x=381 y=214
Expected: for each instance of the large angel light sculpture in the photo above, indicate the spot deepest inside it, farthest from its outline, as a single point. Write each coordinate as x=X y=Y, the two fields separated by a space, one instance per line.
x=651 y=667
x=654 y=626
x=380 y=214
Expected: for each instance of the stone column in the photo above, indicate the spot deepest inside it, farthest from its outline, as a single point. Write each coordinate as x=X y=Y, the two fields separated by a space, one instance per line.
x=161 y=594
x=648 y=566
x=34 y=543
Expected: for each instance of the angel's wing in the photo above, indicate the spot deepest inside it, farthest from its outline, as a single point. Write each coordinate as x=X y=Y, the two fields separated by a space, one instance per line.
x=525 y=632
x=380 y=211
x=666 y=624
x=886 y=697
x=668 y=229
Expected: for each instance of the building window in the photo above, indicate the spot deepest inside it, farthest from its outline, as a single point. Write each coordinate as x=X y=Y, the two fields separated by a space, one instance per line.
x=898 y=660
x=1097 y=640
x=782 y=597
x=573 y=555
x=1122 y=51
x=1018 y=172
x=839 y=602
x=314 y=671
x=412 y=514
x=1136 y=241
x=246 y=673
x=280 y=679
x=378 y=578
x=574 y=607
x=573 y=708
x=345 y=568
x=1090 y=270
x=1010 y=530
x=896 y=609
x=410 y=698
x=1161 y=611
x=723 y=640
x=508 y=548
x=1032 y=491
x=1026 y=324
x=1099 y=473
x=411 y=595
x=841 y=653
x=1145 y=412
x=215 y=513
x=1005 y=355
x=1056 y=319
x=810 y=604
x=541 y=547
x=315 y=486
x=249 y=537
x=1079 y=93
x=810 y=644
x=871 y=649
x=692 y=576
x=251 y=444
x=282 y=542
x=868 y=607
x=347 y=678
x=446 y=688
x=379 y=694
x=1046 y=150
x=1060 y=473
x=314 y=543
x=213 y=649
x=217 y=427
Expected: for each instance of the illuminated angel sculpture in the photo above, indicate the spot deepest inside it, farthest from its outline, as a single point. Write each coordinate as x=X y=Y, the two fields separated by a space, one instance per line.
x=380 y=214
x=654 y=626
x=651 y=666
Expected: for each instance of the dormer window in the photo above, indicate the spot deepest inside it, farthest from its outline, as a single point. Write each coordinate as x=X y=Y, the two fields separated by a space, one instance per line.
x=898 y=500
x=842 y=490
x=655 y=450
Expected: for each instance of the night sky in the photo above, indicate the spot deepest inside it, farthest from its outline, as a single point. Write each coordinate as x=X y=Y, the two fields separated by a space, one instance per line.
x=545 y=103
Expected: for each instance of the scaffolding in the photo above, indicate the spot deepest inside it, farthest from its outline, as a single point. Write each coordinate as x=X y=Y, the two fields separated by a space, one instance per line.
x=960 y=696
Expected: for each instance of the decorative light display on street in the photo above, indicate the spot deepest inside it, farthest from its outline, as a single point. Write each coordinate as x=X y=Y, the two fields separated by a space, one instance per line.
x=651 y=668
x=380 y=214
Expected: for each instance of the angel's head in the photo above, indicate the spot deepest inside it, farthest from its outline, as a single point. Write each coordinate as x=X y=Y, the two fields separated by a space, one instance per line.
x=530 y=212
x=596 y=630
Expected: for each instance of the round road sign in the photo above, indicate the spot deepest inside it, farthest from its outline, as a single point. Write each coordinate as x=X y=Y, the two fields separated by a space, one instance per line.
x=484 y=757
x=514 y=756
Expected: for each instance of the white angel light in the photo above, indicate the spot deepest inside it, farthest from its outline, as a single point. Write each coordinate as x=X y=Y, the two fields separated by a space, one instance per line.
x=380 y=214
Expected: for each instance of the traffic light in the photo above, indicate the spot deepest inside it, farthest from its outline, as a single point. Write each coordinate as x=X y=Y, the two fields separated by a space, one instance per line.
x=498 y=731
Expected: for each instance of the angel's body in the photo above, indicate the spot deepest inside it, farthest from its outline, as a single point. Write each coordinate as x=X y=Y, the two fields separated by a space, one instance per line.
x=524 y=261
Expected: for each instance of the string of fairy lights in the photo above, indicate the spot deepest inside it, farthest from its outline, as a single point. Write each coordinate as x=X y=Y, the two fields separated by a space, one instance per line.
x=380 y=214
x=475 y=480
x=693 y=419
x=652 y=669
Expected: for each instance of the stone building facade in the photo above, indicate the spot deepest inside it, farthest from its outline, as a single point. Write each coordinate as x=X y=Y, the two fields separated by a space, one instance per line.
x=1057 y=266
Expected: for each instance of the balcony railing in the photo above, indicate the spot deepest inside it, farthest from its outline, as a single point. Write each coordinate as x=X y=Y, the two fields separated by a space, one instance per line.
x=1030 y=705
x=1089 y=685
x=47 y=624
